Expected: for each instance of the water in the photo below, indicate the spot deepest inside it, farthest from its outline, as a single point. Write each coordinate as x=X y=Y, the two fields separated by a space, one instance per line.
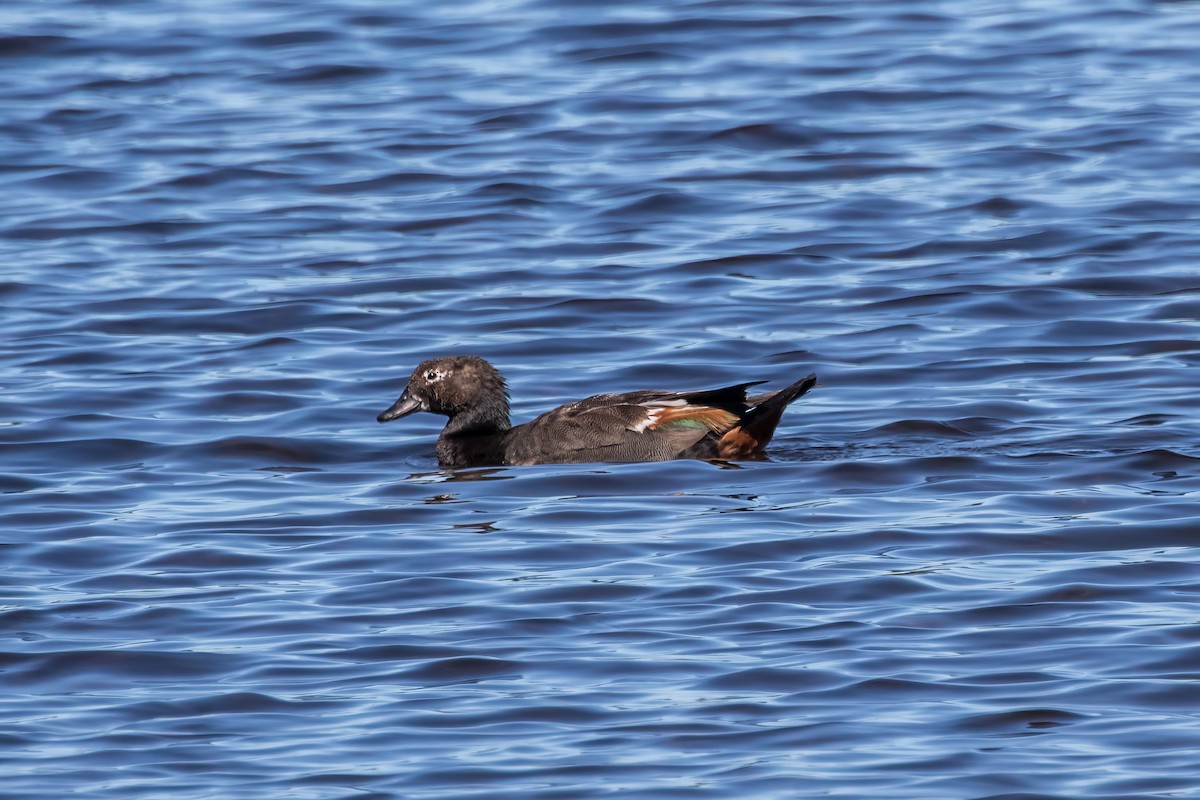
x=229 y=230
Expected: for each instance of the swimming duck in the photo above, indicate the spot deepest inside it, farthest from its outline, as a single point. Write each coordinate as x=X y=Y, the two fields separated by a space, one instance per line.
x=633 y=426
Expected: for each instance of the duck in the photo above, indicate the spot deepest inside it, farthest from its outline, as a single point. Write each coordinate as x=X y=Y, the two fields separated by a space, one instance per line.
x=649 y=425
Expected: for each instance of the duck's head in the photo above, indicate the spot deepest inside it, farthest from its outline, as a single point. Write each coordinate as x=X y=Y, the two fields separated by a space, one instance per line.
x=451 y=385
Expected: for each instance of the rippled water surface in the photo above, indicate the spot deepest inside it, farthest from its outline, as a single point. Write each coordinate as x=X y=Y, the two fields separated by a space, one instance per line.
x=968 y=569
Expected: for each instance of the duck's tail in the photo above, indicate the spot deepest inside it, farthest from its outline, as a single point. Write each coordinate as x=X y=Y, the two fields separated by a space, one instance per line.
x=756 y=427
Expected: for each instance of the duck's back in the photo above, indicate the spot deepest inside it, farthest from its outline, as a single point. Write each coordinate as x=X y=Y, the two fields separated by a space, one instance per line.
x=635 y=426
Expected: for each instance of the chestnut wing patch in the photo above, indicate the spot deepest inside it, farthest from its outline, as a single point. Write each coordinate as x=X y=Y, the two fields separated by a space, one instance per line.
x=717 y=420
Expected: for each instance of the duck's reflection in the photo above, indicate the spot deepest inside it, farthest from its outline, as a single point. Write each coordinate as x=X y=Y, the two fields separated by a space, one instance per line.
x=459 y=475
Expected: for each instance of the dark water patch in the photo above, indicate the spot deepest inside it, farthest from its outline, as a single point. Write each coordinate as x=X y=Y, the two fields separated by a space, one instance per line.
x=70 y=180
x=289 y=38
x=33 y=45
x=659 y=203
x=226 y=703
x=513 y=190
x=1023 y=722
x=768 y=135
x=466 y=668
x=327 y=73
x=62 y=455
x=227 y=175
x=200 y=559
x=112 y=669
x=392 y=654
x=922 y=428
x=83 y=120
x=394 y=181
x=633 y=54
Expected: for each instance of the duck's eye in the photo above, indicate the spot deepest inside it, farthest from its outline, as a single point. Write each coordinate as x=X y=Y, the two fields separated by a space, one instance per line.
x=432 y=375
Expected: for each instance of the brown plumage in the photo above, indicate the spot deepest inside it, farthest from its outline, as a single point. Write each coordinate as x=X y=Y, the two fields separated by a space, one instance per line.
x=633 y=426
x=738 y=443
x=717 y=420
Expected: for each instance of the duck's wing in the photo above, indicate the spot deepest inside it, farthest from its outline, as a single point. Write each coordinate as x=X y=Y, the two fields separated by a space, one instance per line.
x=635 y=426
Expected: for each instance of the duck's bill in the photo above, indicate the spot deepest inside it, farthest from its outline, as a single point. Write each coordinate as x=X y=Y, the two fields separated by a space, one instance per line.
x=406 y=405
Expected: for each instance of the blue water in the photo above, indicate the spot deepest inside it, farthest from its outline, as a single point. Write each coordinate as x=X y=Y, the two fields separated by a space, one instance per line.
x=229 y=230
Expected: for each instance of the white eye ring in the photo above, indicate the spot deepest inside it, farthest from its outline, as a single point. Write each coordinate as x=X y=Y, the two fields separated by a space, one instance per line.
x=433 y=375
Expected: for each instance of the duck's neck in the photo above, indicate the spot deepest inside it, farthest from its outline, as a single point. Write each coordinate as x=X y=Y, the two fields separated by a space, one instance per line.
x=474 y=438
x=482 y=420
